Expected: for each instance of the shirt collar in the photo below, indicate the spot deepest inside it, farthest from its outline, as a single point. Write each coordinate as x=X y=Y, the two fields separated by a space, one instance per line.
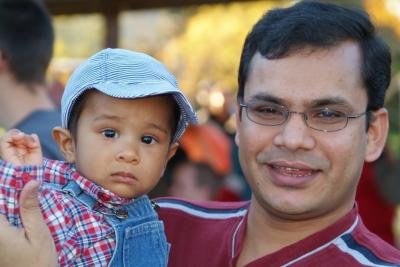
x=293 y=251
x=102 y=195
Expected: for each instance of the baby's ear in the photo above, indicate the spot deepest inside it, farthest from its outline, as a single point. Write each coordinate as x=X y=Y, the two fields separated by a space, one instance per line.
x=172 y=150
x=65 y=142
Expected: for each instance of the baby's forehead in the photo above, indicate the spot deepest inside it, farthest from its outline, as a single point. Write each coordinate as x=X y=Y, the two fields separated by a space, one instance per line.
x=94 y=95
x=94 y=100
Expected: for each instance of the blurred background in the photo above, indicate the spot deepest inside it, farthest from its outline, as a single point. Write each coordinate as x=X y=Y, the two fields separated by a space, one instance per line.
x=200 y=42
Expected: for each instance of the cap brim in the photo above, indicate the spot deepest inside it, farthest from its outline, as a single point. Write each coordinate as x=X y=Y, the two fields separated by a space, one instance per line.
x=147 y=89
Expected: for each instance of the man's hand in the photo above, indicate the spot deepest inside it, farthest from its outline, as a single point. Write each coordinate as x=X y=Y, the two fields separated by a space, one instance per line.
x=21 y=149
x=32 y=245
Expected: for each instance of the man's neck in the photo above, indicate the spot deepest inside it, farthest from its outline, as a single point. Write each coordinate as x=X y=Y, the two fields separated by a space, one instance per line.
x=18 y=100
x=266 y=233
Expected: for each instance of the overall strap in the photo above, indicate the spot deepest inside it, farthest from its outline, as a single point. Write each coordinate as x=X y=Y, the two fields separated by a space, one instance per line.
x=142 y=207
x=74 y=190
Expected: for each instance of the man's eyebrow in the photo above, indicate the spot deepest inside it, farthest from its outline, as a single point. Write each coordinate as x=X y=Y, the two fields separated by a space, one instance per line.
x=264 y=97
x=330 y=101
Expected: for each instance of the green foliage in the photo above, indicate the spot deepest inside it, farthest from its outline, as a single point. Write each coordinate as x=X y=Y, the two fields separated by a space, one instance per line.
x=208 y=50
x=78 y=36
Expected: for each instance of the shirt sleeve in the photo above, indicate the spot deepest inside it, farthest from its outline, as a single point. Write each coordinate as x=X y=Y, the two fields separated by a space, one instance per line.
x=12 y=180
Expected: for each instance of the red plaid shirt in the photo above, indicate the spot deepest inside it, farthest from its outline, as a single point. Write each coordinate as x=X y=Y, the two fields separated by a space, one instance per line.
x=81 y=235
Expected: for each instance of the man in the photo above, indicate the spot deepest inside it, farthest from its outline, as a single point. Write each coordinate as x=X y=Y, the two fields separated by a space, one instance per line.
x=312 y=81
x=26 y=47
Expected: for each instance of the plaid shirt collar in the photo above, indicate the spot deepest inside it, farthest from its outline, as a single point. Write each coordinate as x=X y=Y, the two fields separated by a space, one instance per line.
x=102 y=195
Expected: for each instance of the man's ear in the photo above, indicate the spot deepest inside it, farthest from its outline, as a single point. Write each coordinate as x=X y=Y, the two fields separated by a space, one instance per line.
x=377 y=134
x=65 y=142
x=237 y=120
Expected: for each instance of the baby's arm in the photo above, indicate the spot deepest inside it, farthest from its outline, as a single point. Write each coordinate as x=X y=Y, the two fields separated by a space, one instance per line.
x=21 y=161
x=21 y=149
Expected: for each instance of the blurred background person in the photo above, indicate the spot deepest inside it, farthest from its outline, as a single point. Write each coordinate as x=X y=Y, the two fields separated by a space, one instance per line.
x=26 y=47
x=378 y=195
x=201 y=168
x=193 y=180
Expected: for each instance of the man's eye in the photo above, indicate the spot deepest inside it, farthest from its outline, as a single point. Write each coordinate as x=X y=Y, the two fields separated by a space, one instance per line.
x=328 y=113
x=327 y=116
x=148 y=140
x=266 y=110
x=109 y=133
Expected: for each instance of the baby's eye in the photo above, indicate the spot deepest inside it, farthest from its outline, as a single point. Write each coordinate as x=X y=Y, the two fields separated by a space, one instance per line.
x=148 y=139
x=109 y=133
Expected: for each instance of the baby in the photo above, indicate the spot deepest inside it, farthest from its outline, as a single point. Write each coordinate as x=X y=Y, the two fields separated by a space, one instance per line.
x=122 y=116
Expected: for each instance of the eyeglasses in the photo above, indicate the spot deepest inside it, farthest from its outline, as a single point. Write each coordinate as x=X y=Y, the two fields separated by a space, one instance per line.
x=322 y=119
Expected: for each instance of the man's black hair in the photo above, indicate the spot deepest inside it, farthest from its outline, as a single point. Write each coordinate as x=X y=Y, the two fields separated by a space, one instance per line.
x=26 y=39
x=283 y=31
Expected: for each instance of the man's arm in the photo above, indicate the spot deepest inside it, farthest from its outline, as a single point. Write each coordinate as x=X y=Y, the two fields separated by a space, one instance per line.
x=31 y=245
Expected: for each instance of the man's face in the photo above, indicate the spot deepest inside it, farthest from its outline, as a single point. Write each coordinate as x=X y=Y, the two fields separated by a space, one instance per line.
x=295 y=171
x=123 y=145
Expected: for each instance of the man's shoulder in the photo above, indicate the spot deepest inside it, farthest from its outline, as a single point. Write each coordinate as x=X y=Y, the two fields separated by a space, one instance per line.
x=358 y=246
x=199 y=228
x=211 y=210
x=371 y=246
x=200 y=219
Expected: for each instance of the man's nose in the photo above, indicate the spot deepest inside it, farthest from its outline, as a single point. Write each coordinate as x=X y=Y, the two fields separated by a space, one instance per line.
x=295 y=134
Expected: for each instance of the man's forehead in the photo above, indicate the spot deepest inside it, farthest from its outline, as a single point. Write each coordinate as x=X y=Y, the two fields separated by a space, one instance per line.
x=264 y=97
x=347 y=50
x=317 y=76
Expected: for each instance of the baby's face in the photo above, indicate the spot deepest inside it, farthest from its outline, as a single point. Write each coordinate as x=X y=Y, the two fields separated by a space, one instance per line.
x=123 y=145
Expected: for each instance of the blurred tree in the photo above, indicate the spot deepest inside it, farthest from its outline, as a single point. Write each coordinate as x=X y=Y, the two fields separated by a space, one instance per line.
x=207 y=52
x=201 y=45
x=386 y=14
x=78 y=36
x=160 y=26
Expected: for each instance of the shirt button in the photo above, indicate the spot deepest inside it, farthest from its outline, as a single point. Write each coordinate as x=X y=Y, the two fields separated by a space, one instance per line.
x=15 y=184
x=25 y=177
x=104 y=197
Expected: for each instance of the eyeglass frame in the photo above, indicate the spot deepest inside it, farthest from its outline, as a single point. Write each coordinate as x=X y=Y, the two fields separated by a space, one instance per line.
x=288 y=113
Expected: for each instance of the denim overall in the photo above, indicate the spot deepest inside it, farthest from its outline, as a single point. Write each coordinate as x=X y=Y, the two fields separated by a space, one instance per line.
x=140 y=238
